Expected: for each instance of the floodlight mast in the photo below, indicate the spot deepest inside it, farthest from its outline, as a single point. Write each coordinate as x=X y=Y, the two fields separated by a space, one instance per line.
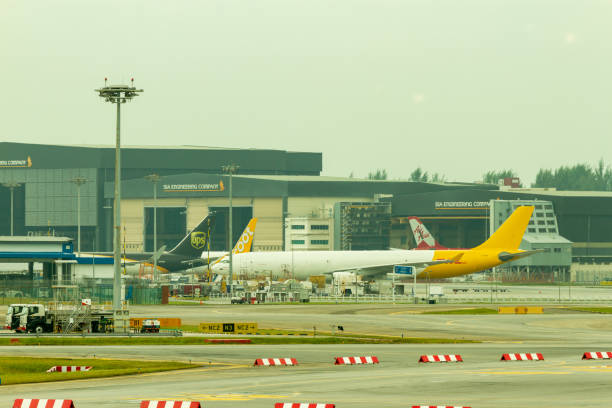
x=230 y=169
x=117 y=94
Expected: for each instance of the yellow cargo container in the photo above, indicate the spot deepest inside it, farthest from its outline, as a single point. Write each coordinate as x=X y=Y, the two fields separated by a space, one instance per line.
x=164 y=322
x=520 y=310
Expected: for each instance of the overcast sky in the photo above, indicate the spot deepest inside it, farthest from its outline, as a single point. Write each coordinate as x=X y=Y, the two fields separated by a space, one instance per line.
x=456 y=87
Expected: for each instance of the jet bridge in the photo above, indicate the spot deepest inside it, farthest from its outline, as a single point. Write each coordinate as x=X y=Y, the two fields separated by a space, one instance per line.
x=55 y=253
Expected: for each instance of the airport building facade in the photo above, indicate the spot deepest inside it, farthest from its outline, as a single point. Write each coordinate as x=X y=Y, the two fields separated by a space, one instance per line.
x=297 y=209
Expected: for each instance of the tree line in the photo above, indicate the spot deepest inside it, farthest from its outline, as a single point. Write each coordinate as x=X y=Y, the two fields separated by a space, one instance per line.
x=580 y=177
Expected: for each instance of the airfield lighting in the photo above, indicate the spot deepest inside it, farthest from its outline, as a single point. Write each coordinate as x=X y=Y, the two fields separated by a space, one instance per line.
x=154 y=178
x=12 y=186
x=118 y=94
x=79 y=181
x=230 y=169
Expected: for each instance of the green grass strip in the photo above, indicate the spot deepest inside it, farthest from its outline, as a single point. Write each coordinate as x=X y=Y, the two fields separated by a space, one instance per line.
x=126 y=341
x=15 y=370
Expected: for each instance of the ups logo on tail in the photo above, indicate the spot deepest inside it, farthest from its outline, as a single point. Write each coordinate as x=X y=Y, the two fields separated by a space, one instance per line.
x=198 y=240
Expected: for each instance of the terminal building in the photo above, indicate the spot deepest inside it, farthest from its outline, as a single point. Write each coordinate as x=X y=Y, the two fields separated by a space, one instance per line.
x=296 y=207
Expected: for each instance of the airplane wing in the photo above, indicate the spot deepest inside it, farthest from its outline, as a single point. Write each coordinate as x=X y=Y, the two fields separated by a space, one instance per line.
x=381 y=269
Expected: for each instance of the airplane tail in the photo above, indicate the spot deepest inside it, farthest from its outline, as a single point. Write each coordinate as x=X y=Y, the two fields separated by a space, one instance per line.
x=245 y=242
x=194 y=243
x=510 y=234
x=422 y=237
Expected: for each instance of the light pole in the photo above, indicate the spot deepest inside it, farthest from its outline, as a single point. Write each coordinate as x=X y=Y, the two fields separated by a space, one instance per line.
x=154 y=178
x=230 y=169
x=117 y=94
x=12 y=186
x=79 y=181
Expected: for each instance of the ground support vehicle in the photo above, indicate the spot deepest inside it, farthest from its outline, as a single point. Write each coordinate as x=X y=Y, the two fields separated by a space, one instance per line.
x=36 y=318
x=150 y=326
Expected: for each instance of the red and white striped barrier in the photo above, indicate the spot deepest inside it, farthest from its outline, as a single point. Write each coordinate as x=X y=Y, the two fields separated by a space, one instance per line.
x=275 y=361
x=441 y=358
x=597 y=355
x=42 y=403
x=294 y=405
x=357 y=360
x=169 y=404
x=437 y=406
x=68 y=369
x=522 y=357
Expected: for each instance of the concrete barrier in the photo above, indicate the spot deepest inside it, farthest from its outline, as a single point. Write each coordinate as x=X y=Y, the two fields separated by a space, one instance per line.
x=275 y=362
x=68 y=369
x=42 y=403
x=522 y=357
x=597 y=355
x=169 y=404
x=438 y=406
x=441 y=358
x=356 y=360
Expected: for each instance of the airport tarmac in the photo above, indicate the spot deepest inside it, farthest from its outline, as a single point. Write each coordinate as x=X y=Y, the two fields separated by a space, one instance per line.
x=228 y=378
x=562 y=380
x=383 y=319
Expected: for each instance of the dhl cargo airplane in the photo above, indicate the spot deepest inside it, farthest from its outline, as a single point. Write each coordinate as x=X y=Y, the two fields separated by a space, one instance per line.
x=501 y=247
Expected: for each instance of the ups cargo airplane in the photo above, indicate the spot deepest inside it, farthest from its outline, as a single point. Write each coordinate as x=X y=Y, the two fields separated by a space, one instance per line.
x=187 y=254
x=501 y=247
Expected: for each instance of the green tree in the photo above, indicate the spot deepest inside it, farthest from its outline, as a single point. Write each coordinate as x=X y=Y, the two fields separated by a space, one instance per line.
x=379 y=174
x=419 y=175
x=438 y=178
x=581 y=177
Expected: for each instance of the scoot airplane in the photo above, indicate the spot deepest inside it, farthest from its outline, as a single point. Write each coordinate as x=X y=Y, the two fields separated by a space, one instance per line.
x=243 y=245
x=501 y=247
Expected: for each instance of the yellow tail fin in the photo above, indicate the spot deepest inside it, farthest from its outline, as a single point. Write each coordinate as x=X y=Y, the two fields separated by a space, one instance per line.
x=246 y=239
x=510 y=234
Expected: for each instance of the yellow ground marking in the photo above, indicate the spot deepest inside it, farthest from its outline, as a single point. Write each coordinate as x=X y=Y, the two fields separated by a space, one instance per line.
x=195 y=370
x=212 y=397
x=406 y=312
x=522 y=372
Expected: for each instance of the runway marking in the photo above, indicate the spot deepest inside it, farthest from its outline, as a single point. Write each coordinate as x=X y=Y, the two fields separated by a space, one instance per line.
x=213 y=397
x=525 y=372
x=195 y=370
x=406 y=312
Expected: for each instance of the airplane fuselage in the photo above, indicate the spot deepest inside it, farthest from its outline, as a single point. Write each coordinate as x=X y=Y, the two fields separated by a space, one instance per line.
x=302 y=264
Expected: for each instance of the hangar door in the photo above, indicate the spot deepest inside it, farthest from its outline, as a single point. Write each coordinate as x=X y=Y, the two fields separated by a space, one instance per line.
x=171 y=227
x=240 y=218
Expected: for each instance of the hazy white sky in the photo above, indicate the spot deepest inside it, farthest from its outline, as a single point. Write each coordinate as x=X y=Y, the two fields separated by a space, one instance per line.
x=456 y=87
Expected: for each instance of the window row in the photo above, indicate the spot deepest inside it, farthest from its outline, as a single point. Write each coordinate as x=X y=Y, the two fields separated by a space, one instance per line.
x=312 y=227
x=312 y=242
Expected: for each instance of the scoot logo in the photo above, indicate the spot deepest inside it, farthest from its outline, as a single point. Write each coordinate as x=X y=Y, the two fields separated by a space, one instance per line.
x=198 y=240
x=244 y=240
